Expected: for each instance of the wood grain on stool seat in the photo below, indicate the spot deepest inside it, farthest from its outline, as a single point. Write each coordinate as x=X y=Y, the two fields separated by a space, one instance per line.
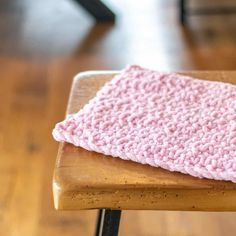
x=88 y=180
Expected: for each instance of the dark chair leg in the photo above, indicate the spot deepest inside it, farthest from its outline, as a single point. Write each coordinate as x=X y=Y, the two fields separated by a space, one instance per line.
x=182 y=12
x=108 y=222
x=98 y=10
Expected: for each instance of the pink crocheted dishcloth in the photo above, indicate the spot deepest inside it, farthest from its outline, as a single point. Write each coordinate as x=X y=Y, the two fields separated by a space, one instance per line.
x=162 y=119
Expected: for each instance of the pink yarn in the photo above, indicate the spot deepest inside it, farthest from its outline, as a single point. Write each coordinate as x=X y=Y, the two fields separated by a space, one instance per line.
x=161 y=119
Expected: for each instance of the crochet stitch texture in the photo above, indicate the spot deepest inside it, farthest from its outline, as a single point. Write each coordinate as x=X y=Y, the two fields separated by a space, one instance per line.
x=162 y=119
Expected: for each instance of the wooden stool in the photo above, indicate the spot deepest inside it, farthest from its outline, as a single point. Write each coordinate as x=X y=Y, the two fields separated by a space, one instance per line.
x=88 y=180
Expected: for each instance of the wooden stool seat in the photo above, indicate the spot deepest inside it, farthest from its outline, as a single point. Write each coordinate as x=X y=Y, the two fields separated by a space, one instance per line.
x=88 y=180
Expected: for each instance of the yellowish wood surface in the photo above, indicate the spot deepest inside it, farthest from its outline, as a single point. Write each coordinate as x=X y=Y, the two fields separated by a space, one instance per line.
x=88 y=180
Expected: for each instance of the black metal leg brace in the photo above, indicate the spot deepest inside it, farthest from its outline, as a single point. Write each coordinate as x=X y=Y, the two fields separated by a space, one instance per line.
x=98 y=10
x=108 y=222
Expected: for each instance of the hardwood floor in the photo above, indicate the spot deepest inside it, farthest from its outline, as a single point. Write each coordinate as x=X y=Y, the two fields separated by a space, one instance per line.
x=43 y=44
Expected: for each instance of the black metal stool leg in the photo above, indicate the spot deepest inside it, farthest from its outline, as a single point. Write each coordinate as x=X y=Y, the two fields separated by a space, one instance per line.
x=98 y=10
x=108 y=222
x=182 y=11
